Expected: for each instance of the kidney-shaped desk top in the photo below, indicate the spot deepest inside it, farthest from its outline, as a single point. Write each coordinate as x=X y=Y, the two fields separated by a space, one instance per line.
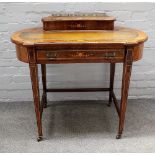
x=119 y=35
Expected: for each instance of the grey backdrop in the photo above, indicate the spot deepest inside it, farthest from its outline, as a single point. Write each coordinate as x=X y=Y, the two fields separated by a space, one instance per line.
x=14 y=75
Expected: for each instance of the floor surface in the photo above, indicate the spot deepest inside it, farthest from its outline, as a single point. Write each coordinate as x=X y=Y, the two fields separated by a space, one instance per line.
x=77 y=126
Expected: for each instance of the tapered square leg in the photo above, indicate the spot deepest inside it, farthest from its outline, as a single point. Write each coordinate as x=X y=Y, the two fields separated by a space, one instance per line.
x=112 y=75
x=43 y=70
x=127 y=67
x=35 y=87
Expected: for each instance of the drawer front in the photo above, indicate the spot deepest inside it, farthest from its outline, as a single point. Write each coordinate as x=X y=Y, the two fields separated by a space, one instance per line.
x=108 y=54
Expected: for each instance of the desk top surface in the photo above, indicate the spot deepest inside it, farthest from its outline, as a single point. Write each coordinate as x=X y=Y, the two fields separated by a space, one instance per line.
x=120 y=35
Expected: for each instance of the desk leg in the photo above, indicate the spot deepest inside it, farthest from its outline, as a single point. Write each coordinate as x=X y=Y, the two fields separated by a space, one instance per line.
x=127 y=67
x=35 y=88
x=43 y=70
x=112 y=74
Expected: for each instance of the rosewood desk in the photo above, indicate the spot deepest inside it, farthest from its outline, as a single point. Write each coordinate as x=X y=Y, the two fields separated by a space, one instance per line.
x=120 y=45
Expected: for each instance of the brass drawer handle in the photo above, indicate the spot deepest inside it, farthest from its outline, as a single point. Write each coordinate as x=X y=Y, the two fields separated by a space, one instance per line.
x=51 y=55
x=109 y=55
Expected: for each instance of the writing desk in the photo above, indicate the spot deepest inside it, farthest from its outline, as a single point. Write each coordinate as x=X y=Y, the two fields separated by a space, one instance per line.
x=120 y=45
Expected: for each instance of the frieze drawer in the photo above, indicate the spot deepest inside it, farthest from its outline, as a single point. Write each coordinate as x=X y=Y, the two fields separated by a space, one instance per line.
x=71 y=55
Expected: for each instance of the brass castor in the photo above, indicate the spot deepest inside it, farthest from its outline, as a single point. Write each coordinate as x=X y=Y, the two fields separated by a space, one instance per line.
x=109 y=104
x=40 y=138
x=45 y=105
x=118 y=136
x=44 y=101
